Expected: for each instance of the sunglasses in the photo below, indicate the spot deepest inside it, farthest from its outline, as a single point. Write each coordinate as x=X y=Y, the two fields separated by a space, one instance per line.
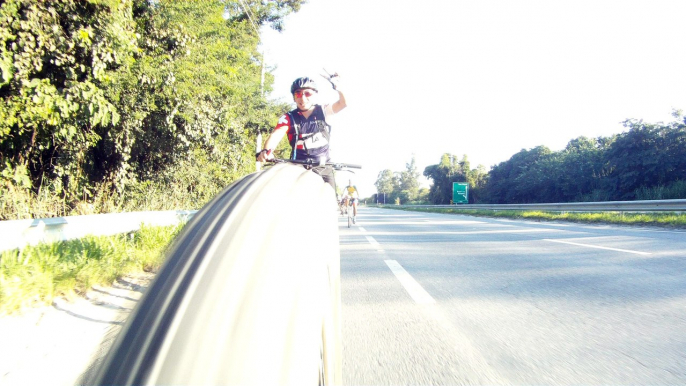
x=307 y=93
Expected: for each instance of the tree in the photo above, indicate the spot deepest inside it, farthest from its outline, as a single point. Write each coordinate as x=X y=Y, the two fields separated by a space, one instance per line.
x=409 y=183
x=55 y=59
x=581 y=169
x=515 y=180
x=113 y=96
x=443 y=176
x=646 y=156
x=385 y=186
x=450 y=170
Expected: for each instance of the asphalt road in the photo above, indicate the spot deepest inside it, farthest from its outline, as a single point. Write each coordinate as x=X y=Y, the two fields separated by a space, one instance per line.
x=431 y=299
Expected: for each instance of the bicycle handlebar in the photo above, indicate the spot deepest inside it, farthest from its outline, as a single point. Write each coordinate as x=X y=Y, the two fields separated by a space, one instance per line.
x=335 y=165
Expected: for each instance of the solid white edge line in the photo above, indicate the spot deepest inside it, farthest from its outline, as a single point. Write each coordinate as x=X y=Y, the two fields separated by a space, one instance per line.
x=599 y=247
x=411 y=286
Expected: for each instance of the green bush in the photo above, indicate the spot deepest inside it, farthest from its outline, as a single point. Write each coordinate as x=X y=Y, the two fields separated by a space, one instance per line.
x=675 y=190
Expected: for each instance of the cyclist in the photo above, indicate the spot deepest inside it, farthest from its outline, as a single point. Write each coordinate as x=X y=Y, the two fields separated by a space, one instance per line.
x=350 y=193
x=307 y=127
x=341 y=204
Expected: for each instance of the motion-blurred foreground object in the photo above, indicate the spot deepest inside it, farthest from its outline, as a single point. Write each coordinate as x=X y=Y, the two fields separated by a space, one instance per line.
x=249 y=295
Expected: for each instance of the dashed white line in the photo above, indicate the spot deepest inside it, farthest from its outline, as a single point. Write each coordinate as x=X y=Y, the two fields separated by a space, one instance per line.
x=373 y=242
x=599 y=247
x=411 y=286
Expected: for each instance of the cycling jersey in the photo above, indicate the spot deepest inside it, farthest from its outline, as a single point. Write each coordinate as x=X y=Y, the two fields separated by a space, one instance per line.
x=309 y=137
x=350 y=191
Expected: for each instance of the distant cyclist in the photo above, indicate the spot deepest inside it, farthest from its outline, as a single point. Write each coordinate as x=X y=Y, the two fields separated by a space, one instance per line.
x=307 y=127
x=350 y=193
x=341 y=205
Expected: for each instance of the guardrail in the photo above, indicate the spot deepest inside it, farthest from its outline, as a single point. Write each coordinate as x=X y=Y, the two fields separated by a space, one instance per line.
x=20 y=233
x=602 y=206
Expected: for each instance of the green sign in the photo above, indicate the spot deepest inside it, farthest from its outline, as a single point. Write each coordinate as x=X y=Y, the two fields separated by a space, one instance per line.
x=460 y=193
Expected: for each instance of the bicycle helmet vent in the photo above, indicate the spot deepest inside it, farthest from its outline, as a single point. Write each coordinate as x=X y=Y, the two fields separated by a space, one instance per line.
x=302 y=83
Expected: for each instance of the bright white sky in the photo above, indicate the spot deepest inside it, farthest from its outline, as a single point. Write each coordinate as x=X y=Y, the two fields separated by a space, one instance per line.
x=484 y=78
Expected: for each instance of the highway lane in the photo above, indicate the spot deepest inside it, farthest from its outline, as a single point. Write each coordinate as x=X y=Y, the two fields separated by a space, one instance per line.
x=451 y=299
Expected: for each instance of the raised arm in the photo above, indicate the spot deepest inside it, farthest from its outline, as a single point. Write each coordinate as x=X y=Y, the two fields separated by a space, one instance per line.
x=340 y=104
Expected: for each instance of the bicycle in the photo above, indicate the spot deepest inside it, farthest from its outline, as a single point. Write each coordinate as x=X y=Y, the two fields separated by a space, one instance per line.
x=350 y=211
x=342 y=208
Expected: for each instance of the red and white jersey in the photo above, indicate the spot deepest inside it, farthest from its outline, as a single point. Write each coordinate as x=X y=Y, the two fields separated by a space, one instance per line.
x=308 y=136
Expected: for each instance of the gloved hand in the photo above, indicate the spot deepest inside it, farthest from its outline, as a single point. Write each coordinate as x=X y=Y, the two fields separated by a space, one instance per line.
x=334 y=79
x=264 y=155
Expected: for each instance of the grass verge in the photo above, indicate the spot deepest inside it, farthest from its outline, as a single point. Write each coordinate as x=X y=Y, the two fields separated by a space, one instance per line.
x=671 y=219
x=35 y=275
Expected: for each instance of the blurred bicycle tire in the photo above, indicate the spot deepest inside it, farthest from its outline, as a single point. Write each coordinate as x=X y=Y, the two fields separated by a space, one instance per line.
x=249 y=293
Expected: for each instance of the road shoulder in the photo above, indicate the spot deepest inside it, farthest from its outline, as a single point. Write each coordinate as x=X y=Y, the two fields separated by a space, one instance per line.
x=62 y=344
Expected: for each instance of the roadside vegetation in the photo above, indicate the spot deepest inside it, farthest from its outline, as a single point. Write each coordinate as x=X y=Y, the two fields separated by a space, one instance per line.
x=670 y=219
x=646 y=162
x=35 y=275
x=115 y=106
x=111 y=106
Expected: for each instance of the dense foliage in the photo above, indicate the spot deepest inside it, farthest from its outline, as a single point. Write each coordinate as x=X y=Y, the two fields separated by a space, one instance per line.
x=399 y=187
x=129 y=104
x=451 y=170
x=648 y=161
x=403 y=187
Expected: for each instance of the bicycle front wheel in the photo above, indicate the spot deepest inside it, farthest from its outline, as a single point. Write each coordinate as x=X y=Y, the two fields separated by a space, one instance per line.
x=238 y=302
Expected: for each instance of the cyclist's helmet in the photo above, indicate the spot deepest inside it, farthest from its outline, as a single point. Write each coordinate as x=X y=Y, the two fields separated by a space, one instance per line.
x=302 y=83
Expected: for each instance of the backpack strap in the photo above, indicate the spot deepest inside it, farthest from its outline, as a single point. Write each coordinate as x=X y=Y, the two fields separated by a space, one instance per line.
x=296 y=129
x=324 y=129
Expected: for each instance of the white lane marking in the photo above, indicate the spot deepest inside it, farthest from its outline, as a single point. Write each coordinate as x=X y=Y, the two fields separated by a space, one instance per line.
x=599 y=247
x=373 y=242
x=411 y=286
